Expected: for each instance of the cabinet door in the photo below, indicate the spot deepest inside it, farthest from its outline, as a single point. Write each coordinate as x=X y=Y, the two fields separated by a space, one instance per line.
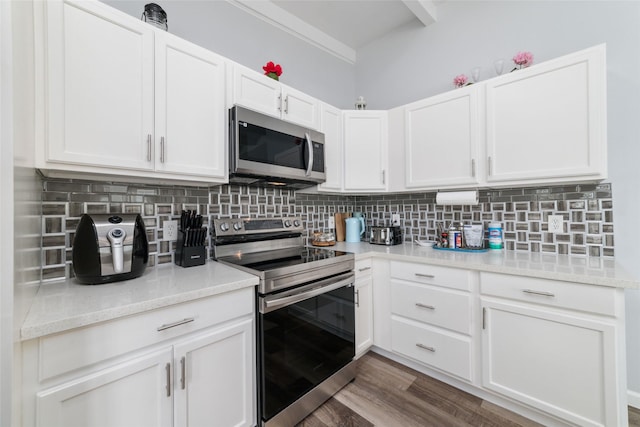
x=190 y=113
x=442 y=139
x=548 y=122
x=365 y=147
x=133 y=393
x=300 y=108
x=364 y=314
x=331 y=126
x=99 y=86
x=562 y=364
x=256 y=91
x=214 y=378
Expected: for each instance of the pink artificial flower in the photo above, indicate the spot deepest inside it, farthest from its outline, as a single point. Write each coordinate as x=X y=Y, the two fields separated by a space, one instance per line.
x=460 y=80
x=523 y=59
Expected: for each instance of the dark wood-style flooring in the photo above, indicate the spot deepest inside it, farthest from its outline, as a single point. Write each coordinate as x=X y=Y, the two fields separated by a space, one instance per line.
x=388 y=394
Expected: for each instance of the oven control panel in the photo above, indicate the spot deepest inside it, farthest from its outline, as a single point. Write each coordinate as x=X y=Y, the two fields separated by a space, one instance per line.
x=247 y=226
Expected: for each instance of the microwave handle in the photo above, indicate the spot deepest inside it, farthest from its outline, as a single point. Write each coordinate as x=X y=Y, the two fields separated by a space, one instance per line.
x=310 y=147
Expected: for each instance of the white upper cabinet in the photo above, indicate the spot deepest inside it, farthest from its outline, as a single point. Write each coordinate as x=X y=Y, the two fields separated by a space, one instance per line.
x=190 y=115
x=442 y=140
x=119 y=97
x=547 y=123
x=331 y=127
x=365 y=151
x=268 y=96
x=99 y=87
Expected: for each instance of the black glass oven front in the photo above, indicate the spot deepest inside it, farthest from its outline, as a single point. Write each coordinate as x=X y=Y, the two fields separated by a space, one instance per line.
x=302 y=344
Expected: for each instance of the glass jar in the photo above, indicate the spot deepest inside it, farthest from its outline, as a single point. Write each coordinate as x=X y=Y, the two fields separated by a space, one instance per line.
x=155 y=15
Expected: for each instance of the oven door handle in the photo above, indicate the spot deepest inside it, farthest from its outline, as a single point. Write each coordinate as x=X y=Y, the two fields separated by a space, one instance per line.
x=320 y=288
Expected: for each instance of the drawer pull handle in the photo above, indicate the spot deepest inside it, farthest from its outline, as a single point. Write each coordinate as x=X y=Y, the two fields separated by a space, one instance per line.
x=430 y=307
x=425 y=347
x=364 y=269
x=168 y=369
x=183 y=373
x=426 y=276
x=545 y=294
x=174 y=324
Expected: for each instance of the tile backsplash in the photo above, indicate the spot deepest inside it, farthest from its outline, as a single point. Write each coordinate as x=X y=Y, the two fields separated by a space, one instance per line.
x=587 y=211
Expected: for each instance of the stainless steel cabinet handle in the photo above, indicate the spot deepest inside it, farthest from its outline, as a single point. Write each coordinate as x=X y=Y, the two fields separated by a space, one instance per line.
x=310 y=148
x=484 y=317
x=357 y=297
x=473 y=168
x=489 y=165
x=425 y=347
x=162 y=155
x=384 y=178
x=364 y=269
x=174 y=324
x=425 y=276
x=545 y=294
x=429 y=307
x=183 y=372
x=148 y=147
x=286 y=105
x=280 y=103
x=168 y=370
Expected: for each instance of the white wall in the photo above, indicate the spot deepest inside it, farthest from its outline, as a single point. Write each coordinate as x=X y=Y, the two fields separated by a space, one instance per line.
x=415 y=62
x=233 y=33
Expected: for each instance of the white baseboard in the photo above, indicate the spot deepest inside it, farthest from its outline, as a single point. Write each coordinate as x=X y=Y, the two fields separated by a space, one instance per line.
x=634 y=399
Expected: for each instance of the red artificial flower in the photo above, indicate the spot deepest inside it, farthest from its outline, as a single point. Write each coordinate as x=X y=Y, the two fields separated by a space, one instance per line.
x=272 y=68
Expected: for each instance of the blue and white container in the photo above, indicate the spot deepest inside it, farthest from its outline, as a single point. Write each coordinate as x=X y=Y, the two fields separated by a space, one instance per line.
x=495 y=235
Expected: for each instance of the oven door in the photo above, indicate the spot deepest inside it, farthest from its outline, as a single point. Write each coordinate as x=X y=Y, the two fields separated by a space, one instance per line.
x=304 y=337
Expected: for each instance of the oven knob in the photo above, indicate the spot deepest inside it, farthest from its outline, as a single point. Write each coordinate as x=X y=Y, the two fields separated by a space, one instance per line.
x=237 y=226
x=224 y=226
x=296 y=223
x=287 y=223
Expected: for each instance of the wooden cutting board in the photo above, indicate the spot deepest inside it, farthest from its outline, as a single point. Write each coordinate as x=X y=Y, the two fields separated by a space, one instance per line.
x=341 y=225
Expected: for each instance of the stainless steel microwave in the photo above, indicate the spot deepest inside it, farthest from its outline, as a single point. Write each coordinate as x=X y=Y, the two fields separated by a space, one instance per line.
x=266 y=151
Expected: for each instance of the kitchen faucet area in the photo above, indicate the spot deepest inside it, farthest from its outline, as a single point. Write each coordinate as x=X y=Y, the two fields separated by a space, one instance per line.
x=310 y=213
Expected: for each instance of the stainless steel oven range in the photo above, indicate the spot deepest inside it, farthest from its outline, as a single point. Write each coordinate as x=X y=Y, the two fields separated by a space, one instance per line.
x=305 y=314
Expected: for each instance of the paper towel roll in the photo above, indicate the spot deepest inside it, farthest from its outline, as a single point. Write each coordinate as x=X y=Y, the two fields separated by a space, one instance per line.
x=457 y=198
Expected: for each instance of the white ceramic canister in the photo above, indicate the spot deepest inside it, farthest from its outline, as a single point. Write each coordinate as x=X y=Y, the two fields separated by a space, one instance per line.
x=495 y=235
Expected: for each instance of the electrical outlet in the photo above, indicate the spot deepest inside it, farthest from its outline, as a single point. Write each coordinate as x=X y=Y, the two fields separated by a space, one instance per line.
x=170 y=230
x=555 y=223
x=332 y=222
x=395 y=219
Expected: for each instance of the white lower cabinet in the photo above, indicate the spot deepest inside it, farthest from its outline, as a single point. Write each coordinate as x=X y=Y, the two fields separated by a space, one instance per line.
x=562 y=361
x=431 y=317
x=131 y=393
x=364 y=306
x=199 y=370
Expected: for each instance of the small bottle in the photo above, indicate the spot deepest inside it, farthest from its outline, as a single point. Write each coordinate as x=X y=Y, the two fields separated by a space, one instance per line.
x=495 y=235
x=455 y=236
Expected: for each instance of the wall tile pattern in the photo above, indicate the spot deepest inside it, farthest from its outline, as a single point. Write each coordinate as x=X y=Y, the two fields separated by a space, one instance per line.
x=587 y=211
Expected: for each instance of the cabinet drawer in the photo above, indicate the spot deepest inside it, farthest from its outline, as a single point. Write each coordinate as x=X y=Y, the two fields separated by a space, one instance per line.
x=454 y=278
x=439 y=349
x=81 y=347
x=431 y=305
x=363 y=267
x=574 y=296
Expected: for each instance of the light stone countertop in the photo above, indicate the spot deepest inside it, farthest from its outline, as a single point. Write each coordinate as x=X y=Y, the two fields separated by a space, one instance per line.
x=64 y=305
x=592 y=271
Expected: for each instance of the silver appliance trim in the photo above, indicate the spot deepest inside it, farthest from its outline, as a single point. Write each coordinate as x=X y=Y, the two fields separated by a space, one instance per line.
x=256 y=173
x=315 y=397
x=274 y=302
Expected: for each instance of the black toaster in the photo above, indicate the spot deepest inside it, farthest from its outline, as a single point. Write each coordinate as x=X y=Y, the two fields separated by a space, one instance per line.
x=109 y=247
x=386 y=235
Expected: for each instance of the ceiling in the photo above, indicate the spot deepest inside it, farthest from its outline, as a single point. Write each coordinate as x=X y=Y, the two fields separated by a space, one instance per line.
x=342 y=26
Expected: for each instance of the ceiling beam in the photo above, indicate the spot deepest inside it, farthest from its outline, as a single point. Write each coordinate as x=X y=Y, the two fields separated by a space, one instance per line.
x=280 y=18
x=424 y=10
